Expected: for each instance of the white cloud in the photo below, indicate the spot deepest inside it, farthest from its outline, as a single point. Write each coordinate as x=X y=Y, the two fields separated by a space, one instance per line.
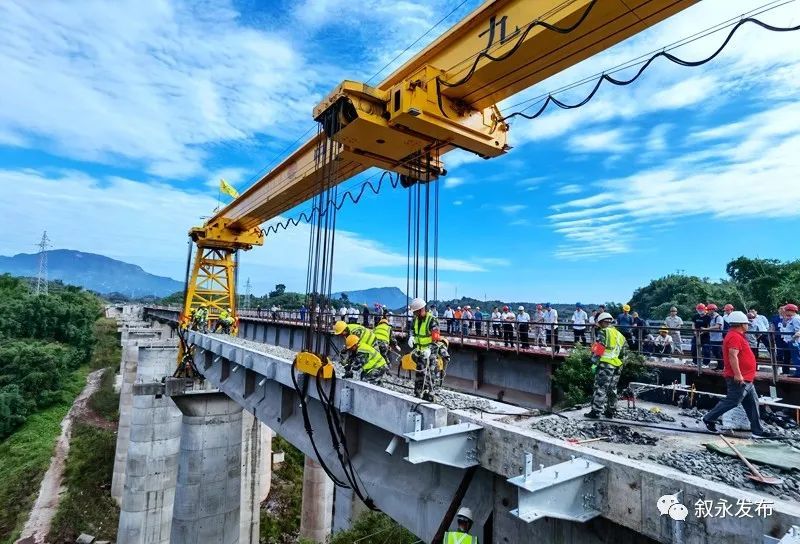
x=608 y=141
x=147 y=224
x=512 y=209
x=569 y=189
x=754 y=175
x=657 y=139
x=146 y=83
x=458 y=202
x=234 y=176
x=452 y=183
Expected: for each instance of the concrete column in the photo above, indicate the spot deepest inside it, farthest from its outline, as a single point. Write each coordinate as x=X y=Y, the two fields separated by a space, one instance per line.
x=256 y=474
x=208 y=494
x=317 y=509
x=266 y=462
x=130 y=356
x=152 y=463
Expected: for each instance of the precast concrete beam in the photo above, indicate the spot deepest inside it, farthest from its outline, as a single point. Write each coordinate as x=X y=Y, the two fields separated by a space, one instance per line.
x=628 y=489
x=208 y=493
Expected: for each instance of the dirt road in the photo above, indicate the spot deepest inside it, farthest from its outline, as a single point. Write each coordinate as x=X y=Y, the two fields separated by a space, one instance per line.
x=38 y=525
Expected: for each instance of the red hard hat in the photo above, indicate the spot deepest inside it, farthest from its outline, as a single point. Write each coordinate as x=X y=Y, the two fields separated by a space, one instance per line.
x=538 y=306
x=505 y=308
x=728 y=307
x=790 y=308
x=700 y=306
x=711 y=306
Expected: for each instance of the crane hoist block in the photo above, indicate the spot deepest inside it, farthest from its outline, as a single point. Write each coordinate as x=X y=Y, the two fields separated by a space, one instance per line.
x=311 y=363
x=390 y=129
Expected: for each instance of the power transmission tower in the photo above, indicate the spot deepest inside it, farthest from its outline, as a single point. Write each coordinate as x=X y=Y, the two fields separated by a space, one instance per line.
x=247 y=295
x=41 y=278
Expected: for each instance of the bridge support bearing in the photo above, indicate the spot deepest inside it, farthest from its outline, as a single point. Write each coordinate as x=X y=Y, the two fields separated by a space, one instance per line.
x=563 y=491
x=208 y=492
x=454 y=445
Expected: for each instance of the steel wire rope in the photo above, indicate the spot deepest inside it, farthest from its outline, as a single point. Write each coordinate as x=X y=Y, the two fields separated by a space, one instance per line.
x=624 y=82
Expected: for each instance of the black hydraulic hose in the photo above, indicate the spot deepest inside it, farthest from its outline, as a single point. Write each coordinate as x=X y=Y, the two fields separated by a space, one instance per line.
x=624 y=82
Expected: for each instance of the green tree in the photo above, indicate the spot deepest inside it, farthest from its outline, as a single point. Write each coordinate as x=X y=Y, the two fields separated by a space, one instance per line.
x=280 y=289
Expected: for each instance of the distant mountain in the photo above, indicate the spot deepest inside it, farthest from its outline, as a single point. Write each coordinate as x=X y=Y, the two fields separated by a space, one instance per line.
x=392 y=297
x=91 y=271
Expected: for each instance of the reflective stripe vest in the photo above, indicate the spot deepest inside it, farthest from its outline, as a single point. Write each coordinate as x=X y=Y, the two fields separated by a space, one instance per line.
x=374 y=358
x=613 y=340
x=455 y=537
x=367 y=337
x=383 y=332
x=422 y=330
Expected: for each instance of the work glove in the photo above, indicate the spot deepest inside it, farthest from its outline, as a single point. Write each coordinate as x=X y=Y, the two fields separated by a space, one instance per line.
x=426 y=353
x=411 y=342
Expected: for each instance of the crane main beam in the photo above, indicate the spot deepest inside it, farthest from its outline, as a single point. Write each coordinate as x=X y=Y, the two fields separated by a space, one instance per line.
x=407 y=114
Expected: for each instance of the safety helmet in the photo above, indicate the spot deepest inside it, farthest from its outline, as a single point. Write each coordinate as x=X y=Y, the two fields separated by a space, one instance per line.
x=626 y=307
x=465 y=513
x=790 y=308
x=738 y=318
x=416 y=304
x=711 y=307
x=339 y=327
x=458 y=307
x=663 y=329
x=605 y=316
x=467 y=307
x=505 y=308
x=538 y=306
x=351 y=341
x=382 y=321
x=700 y=307
x=445 y=341
x=728 y=307
x=521 y=308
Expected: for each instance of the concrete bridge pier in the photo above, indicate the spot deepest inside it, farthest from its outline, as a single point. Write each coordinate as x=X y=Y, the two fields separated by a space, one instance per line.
x=256 y=475
x=130 y=358
x=316 y=514
x=208 y=494
x=151 y=466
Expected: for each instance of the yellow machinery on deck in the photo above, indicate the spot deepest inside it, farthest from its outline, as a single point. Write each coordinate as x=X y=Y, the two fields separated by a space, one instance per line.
x=444 y=98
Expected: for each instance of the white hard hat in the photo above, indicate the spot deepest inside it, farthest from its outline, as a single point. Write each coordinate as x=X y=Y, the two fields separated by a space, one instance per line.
x=737 y=318
x=416 y=304
x=465 y=512
x=604 y=316
x=521 y=308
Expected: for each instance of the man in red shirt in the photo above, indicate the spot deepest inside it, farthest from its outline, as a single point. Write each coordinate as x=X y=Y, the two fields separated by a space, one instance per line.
x=739 y=373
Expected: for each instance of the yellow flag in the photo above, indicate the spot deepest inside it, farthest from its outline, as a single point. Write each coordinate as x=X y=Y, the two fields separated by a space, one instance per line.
x=227 y=188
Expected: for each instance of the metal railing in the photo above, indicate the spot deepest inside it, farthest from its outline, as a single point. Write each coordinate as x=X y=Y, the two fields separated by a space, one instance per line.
x=688 y=346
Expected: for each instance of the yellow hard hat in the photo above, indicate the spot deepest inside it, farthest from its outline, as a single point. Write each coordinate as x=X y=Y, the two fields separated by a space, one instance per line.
x=445 y=341
x=351 y=341
x=339 y=327
x=384 y=320
x=626 y=307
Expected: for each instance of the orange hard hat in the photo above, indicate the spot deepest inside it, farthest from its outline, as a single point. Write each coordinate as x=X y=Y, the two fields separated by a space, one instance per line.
x=712 y=307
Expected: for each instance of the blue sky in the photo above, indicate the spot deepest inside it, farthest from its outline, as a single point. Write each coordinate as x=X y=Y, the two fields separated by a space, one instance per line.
x=118 y=118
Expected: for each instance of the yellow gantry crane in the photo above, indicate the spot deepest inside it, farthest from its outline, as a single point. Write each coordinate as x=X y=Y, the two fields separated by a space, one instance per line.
x=443 y=98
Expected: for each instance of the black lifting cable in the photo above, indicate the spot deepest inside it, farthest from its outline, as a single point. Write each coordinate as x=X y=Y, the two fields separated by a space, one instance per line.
x=623 y=82
x=308 y=217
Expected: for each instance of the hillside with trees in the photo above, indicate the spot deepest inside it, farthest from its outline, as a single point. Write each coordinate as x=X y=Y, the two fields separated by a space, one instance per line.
x=763 y=284
x=43 y=339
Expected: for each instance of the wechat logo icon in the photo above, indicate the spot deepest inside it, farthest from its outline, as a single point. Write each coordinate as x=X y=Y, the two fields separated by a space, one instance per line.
x=671 y=506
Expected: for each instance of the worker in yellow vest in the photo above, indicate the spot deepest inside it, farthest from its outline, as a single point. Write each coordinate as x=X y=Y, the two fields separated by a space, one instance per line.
x=365 y=334
x=461 y=535
x=424 y=341
x=383 y=337
x=365 y=358
x=607 y=356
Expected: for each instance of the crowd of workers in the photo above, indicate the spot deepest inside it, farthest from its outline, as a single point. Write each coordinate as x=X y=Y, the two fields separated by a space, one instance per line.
x=700 y=337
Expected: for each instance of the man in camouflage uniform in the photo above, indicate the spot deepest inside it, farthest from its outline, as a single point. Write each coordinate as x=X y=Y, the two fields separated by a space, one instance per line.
x=606 y=358
x=364 y=358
